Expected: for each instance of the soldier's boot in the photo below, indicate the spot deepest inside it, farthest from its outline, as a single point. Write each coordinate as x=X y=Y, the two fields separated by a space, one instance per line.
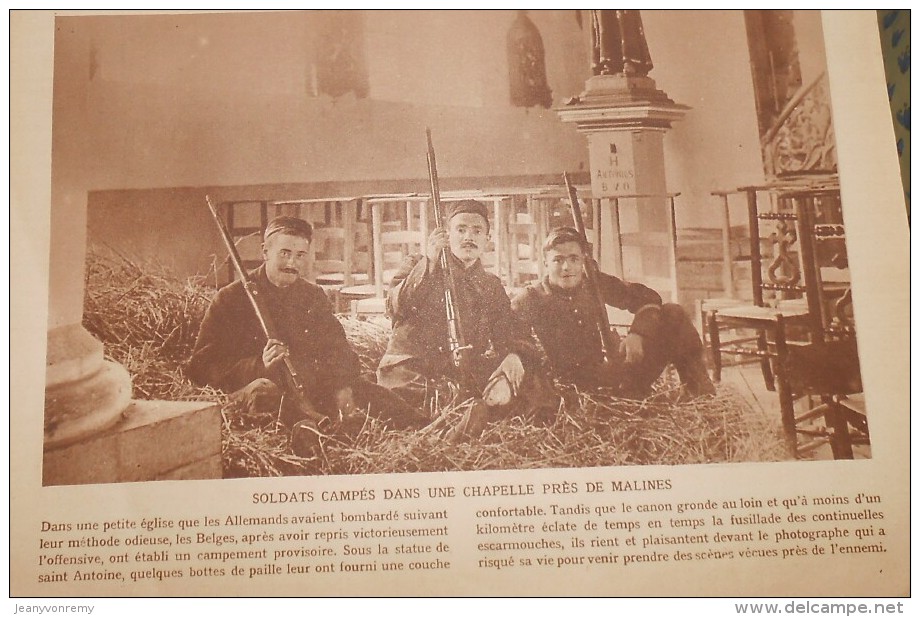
x=258 y=397
x=351 y=424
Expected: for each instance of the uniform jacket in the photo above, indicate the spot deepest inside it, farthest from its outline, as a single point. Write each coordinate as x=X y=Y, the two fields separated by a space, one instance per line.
x=416 y=305
x=564 y=320
x=228 y=352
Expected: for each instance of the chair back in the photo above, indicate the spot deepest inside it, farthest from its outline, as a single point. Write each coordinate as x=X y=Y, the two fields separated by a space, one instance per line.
x=798 y=252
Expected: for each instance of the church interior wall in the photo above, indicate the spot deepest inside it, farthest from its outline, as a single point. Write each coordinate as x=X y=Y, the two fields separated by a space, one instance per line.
x=159 y=110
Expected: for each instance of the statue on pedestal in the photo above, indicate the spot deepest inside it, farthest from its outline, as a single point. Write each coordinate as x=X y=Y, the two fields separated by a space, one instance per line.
x=619 y=43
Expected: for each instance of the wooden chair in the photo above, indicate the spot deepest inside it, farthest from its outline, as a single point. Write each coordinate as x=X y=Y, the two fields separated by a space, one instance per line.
x=736 y=290
x=525 y=229
x=800 y=334
x=246 y=221
x=647 y=256
x=400 y=226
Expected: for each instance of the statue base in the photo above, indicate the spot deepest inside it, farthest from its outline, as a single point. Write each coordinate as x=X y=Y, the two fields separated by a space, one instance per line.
x=621 y=101
x=84 y=393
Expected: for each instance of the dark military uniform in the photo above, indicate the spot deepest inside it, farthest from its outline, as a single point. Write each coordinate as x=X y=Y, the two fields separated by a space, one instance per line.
x=228 y=352
x=418 y=355
x=564 y=322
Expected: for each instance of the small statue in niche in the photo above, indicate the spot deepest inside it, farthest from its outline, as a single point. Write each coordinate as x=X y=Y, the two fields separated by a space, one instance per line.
x=339 y=61
x=619 y=44
x=527 y=65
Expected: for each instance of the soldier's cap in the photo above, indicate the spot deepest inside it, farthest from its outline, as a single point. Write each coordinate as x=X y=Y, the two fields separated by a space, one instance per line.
x=471 y=206
x=561 y=235
x=289 y=225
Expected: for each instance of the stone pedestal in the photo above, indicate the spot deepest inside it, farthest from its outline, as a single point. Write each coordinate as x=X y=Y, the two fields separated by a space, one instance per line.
x=84 y=393
x=92 y=431
x=625 y=119
x=151 y=440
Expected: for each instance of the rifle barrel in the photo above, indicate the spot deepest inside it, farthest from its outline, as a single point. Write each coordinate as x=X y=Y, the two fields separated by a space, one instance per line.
x=454 y=336
x=591 y=275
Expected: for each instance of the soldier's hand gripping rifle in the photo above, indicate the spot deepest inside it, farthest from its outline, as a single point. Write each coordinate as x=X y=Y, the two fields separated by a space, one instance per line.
x=608 y=347
x=454 y=336
x=292 y=385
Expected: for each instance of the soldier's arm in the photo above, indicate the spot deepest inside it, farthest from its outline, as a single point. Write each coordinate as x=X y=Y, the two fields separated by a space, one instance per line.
x=524 y=309
x=216 y=360
x=641 y=301
x=339 y=359
x=411 y=282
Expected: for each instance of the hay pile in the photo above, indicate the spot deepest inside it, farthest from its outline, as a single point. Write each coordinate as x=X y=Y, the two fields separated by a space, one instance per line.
x=590 y=430
x=149 y=320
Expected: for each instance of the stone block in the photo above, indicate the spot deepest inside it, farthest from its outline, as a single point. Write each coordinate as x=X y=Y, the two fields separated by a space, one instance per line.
x=207 y=468
x=153 y=440
x=91 y=461
x=159 y=436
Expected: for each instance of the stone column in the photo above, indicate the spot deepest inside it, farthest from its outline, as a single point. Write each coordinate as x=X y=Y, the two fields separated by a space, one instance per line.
x=93 y=431
x=84 y=393
x=625 y=118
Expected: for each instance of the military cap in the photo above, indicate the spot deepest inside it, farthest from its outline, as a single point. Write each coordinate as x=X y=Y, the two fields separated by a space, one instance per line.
x=470 y=206
x=289 y=225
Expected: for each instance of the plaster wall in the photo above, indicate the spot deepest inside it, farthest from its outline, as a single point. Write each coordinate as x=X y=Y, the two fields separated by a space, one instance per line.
x=152 y=112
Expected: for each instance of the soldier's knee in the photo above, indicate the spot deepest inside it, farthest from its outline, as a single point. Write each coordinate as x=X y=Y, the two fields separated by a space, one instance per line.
x=675 y=316
x=259 y=395
x=263 y=385
x=674 y=313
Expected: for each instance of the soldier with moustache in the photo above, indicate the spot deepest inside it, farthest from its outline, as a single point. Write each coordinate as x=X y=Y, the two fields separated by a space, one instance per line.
x=232 y=353
x=501 y=355
x=559 y=310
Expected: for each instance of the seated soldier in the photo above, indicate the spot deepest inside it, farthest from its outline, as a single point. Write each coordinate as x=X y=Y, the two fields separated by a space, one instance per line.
x=560 y=310
x=418 y=362
x=232 y=353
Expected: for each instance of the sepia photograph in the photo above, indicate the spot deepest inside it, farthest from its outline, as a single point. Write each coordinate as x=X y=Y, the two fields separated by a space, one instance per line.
x=595 y=258
x=565 y=253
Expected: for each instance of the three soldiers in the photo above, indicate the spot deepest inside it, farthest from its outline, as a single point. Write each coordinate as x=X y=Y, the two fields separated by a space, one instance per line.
x=502 y=372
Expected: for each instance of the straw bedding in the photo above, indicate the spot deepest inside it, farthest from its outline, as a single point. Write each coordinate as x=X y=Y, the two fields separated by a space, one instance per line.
x=149 y=319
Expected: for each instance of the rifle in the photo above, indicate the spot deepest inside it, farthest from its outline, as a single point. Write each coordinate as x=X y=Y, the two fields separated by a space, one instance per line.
x=292 y=385
x=608 y=348
x=454 y=337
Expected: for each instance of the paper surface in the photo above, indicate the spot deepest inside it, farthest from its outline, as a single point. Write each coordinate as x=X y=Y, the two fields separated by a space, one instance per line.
x=583 y=531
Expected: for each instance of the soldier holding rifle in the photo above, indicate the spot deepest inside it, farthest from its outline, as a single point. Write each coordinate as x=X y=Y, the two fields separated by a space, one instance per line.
x=495 y=353
x=302 y=355
x=567 y=312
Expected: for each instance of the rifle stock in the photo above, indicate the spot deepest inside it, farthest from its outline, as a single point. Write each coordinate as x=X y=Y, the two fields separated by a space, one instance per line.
x=292 y=385
x=608 y=349
x=454 y=336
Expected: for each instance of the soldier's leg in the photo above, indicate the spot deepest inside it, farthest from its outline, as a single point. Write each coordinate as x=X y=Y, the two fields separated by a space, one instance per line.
x=681 y=345
x=538 y=399
x=676 y=342
x=258 y=397
x=408 y=384
x=417 y=388
x=388 y=406
x=535 y=399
